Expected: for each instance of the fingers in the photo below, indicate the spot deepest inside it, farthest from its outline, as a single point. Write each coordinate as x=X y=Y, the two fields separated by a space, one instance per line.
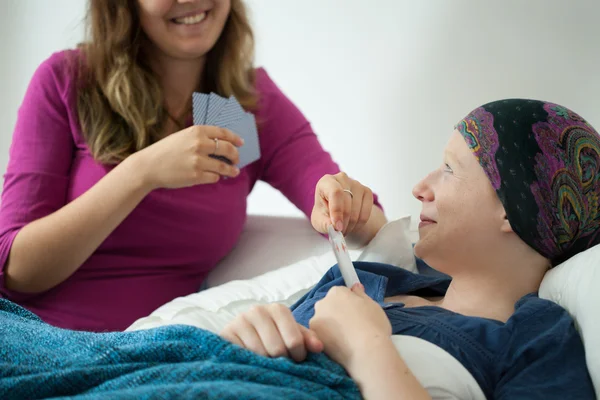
x=270 y=337
x=359 y=289
x=227 y=150
x=311 y=341
x=365 y=209
x=345 y=184
x=348 y=200
x=224 y=149
x=343 y=202
x=243 y=333
x=218 y=167
x=289 y=331
x=215 y=132
x=271 y=331
x=232 y=337
x=358 y=204
x=333 y=193
x=355 y=209
x=208 y=177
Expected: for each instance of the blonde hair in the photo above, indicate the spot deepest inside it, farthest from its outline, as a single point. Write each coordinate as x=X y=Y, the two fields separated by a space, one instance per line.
x=120 y=102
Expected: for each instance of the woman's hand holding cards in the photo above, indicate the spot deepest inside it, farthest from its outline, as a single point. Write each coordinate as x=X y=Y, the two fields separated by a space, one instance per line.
x=187 y=158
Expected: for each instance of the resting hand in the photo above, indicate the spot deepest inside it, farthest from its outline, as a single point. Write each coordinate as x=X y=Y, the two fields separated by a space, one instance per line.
x=347 y=321
x=270 y=330
x=343 y=202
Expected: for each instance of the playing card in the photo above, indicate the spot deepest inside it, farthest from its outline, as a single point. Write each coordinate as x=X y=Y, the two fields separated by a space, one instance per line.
x=245 y=127
x=212 y=109
x=215 y=105
x=199 y=107
x=343 y=257
x=231 y=111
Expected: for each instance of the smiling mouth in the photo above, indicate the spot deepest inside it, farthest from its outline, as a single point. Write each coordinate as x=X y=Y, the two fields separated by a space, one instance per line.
x=190 y=19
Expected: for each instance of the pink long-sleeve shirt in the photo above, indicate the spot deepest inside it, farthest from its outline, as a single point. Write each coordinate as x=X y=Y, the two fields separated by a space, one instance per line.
x=165 y=248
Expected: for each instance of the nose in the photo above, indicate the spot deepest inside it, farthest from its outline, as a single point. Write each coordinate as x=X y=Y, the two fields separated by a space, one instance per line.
x=423 y=190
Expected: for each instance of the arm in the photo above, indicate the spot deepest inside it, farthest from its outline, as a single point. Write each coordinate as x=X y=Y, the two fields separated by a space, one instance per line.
x=357 y=334
x=293 y=161
x=44 y=241
x=547 y=360
x=381 y=373
x=47 y=251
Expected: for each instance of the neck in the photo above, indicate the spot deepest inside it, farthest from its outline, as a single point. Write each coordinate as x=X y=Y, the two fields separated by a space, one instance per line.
x=178 y=79
x=493 y=291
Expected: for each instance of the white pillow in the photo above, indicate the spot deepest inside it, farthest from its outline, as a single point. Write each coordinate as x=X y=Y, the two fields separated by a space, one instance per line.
x=574 y=286
x=269 y=243
x=392 y=245
x=213 y=308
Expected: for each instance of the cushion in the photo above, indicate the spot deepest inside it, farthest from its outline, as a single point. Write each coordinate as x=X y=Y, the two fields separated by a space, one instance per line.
x=574 y=286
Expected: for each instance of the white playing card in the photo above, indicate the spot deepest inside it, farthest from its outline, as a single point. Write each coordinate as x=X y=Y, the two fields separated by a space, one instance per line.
x=231 y=111
x=199 y=107
x=343 y=257
x=245 y=127
x=215 y=105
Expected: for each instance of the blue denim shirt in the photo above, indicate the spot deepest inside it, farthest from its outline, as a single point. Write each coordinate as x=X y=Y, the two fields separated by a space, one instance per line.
x=536 y=354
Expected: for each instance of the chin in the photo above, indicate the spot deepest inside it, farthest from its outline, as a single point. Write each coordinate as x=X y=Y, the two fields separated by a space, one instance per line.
x=417 y=249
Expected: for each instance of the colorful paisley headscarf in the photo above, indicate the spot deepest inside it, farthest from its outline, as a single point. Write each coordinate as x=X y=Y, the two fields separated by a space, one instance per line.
x=543 y=160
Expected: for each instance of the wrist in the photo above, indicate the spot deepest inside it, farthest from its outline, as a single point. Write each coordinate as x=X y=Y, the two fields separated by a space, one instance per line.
x=370 y=353
x=137 y=170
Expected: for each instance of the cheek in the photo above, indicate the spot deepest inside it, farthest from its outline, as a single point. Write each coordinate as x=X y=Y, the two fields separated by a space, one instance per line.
x=151 y=14
x=222 y=9
x=154 y=8
x=453 y=203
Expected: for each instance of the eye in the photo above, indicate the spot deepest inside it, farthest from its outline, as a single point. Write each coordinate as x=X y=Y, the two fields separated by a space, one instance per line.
x=447 y=168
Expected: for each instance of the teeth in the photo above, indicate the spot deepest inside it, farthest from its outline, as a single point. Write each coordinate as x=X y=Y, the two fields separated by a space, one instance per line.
x=193 y=19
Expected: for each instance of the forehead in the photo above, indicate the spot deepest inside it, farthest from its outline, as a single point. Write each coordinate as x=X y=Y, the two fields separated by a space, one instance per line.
x=458 y=149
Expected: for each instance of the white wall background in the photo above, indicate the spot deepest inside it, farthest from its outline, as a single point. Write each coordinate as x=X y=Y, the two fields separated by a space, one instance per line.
x=382 y=81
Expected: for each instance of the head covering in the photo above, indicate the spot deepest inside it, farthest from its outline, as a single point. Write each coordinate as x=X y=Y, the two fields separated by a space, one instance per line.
x=543 y=160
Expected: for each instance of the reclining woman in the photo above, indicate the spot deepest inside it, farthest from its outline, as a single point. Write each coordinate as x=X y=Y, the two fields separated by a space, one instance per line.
x=516 y=194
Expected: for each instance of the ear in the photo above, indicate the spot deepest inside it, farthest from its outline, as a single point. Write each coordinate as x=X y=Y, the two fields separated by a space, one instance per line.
x=505 y=227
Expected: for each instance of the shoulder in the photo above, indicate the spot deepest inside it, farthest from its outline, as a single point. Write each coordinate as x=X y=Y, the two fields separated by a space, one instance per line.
x=276 y=112
x=531 y=309
x=57 y=73
x=535 y=317
x=545 y=351
x=264 y=83
x=272 y=101
x=541 y=328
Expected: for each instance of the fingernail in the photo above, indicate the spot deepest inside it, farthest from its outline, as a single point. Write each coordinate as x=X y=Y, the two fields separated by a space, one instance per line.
x=339 y=225
x=242 y=141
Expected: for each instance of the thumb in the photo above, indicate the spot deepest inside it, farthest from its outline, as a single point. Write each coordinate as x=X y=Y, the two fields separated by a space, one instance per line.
x=330 y=191
x=359 y=289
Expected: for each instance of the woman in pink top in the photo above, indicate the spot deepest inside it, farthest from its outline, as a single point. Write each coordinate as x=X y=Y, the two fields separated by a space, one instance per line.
x=111 y=204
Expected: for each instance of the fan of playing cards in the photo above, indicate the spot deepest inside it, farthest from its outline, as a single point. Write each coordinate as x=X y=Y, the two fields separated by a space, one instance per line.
x=212 y=109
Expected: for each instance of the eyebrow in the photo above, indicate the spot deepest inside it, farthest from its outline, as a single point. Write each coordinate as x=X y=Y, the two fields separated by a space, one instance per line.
x=453 y=158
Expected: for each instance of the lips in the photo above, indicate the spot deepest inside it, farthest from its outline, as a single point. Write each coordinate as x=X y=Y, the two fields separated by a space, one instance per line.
x=190 y=18
x=427 y=219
